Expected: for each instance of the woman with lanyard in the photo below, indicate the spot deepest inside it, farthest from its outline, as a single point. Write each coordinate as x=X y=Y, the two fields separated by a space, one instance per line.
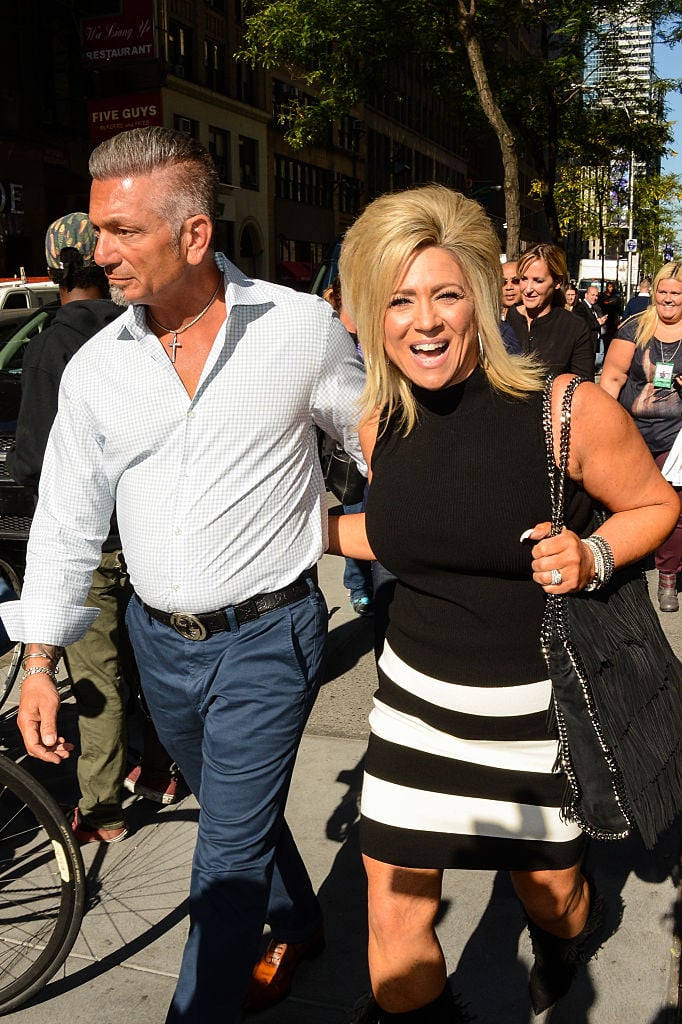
x=643 y=369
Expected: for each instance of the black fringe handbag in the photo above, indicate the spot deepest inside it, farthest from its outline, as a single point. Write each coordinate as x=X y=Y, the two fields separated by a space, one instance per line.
x=617 y=689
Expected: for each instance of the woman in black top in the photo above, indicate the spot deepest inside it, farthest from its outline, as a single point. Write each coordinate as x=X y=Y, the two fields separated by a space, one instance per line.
x=541 y=324
x=461 y=767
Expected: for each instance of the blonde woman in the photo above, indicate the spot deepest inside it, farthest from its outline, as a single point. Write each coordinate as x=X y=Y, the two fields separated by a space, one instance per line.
x=542 y=325
x=460 y=766
x=643 y=369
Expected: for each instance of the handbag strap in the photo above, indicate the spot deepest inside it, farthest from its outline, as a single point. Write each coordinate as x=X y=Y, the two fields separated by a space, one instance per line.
x=557 y=473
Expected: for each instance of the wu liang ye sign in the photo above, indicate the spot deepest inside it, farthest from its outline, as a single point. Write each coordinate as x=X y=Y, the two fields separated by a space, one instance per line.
x=128 y=35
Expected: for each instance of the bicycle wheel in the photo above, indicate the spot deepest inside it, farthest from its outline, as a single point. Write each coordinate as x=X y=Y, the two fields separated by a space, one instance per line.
x=42 y=886
x=10 y=660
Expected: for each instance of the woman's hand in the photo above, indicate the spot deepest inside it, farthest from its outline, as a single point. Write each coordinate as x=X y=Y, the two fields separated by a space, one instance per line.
x=564 y=554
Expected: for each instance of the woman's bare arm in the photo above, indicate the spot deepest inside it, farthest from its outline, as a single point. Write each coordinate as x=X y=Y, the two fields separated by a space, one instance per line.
x=617 y=366
x=610 y=459
x=347 y=534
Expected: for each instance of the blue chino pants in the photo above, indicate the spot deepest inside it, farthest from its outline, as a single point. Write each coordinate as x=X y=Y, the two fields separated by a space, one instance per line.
x=231 y=711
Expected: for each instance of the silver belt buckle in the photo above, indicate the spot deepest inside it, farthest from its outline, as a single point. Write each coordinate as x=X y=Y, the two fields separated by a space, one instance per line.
x=188 y=626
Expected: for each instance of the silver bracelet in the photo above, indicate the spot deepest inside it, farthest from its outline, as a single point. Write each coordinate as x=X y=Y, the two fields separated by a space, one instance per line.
x=604 y=563
x=40 y=670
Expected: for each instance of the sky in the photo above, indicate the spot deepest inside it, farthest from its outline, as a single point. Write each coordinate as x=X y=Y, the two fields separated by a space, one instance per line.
x=668 y=64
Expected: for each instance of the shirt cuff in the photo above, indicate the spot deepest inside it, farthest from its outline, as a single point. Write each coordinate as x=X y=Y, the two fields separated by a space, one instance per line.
x=32 y=623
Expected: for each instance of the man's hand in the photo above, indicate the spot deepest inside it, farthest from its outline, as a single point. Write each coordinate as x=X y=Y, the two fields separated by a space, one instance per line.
x=37 y=719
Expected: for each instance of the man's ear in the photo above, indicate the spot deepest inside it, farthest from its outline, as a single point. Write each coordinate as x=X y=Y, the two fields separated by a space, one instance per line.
x=196 y=235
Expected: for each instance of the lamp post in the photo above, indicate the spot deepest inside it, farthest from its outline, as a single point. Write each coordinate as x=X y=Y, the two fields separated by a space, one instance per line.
x=631 y=186
x=631 y=198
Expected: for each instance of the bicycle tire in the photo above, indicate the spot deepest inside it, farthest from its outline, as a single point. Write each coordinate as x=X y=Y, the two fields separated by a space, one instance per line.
x=9 y=671
x=10 y=663
x=42 y=886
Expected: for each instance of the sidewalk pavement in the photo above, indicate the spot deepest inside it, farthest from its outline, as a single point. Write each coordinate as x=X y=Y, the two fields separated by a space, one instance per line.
x=125 y=962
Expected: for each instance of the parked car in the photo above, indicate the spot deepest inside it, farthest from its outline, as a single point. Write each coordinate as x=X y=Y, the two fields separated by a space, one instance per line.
x=27 y=292
x=327 y=271
x=17 y=327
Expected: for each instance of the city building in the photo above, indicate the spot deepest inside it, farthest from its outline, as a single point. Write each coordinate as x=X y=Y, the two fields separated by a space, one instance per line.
x=618 y=72
x=98 y=67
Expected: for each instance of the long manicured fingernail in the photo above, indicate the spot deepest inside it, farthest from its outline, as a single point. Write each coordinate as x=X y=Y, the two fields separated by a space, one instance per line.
x=525 y=535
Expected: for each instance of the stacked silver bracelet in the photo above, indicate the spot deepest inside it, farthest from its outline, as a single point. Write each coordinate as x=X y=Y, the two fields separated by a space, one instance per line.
x=40 y=670
x=603 y=561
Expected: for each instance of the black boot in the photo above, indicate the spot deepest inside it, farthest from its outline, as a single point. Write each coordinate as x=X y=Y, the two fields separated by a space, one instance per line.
x=443 y=1010
x=557 y=960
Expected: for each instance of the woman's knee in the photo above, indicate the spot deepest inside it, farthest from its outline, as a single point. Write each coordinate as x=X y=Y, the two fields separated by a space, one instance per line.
x=551 y=895
x=401 y=901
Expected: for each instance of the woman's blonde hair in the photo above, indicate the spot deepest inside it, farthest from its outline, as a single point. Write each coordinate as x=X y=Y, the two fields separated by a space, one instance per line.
x=648 y=320
x=374 y=254
x=554 y=259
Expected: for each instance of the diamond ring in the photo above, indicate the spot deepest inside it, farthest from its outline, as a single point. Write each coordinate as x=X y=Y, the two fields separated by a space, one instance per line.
x=557 y=578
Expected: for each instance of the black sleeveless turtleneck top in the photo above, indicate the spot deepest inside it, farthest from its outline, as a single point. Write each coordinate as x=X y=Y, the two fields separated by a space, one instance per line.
x=446 y=508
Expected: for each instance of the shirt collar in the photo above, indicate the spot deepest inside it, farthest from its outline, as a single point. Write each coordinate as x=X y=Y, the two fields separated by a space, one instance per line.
x=242 y=291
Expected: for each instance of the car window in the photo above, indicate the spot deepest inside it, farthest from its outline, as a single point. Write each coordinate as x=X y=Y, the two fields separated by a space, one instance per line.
x=16 y=300
x=12 y=352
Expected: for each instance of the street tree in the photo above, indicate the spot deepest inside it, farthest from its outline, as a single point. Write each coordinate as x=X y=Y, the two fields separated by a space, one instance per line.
x=529 y=92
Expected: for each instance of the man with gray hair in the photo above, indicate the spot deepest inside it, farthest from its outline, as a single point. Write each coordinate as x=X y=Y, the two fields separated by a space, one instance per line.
x=196 y=412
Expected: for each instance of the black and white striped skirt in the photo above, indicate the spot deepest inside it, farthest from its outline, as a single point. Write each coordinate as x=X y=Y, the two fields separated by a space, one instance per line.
x=462 y=776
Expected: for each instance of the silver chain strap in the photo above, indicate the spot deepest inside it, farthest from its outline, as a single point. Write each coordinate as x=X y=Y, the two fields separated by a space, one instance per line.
x=555 y=619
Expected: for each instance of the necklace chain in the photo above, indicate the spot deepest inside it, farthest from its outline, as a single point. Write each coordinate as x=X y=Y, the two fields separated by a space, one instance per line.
x=175 y=344
x=662 y=343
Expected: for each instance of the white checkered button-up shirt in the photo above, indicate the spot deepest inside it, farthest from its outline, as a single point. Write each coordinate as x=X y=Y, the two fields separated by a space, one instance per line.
x=219 y=497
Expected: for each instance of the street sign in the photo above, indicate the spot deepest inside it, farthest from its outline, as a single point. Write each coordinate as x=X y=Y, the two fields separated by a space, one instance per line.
x=631 y=245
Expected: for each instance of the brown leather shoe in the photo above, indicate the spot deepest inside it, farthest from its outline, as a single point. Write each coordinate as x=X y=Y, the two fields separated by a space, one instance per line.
x=274 y=972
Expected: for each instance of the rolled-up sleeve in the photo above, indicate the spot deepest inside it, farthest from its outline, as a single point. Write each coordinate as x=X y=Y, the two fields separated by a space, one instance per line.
x=337 y=399
x=70 y=524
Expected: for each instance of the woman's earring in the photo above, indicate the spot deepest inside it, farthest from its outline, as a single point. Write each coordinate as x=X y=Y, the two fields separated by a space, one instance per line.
x=481 y=353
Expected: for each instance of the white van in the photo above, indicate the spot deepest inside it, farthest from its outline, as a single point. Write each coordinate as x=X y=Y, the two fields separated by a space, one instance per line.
x=27 y=292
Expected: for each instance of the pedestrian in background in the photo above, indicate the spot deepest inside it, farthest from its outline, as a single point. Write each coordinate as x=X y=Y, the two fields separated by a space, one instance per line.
x=101 y=665
x=511 y=285
x=541 y=324
x=643 y=370
x=639 y=302
x=197 y=409
x=591 y=313
x=570 y=297
x=612 y=306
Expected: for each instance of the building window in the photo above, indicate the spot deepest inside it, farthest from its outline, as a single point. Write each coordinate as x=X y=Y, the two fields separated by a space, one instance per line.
x=349 y=134
x=349 y=194
x=248 y=163
x=246 y=84
x=180 y=49
x=219 y=148
x=187 y=125
x=214 y=64
x=303 y=183
x=423 y=168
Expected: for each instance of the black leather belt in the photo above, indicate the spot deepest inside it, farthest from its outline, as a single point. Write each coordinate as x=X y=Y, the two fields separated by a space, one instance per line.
x=198 y=627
